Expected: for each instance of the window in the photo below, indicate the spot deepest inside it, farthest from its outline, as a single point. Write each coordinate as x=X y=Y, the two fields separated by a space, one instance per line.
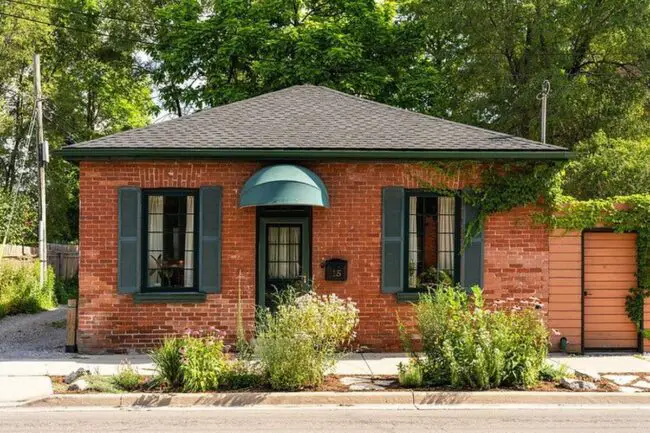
x=433 y=240
x=170 y=222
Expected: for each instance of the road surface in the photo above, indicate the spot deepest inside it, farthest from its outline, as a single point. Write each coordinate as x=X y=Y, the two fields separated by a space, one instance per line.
x=314 y=420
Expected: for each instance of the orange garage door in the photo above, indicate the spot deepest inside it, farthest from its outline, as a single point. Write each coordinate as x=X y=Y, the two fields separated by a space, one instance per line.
x=610 y=271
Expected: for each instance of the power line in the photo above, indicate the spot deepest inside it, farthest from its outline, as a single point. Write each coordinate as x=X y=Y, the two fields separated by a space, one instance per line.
x=87 y=14
x=62 y=26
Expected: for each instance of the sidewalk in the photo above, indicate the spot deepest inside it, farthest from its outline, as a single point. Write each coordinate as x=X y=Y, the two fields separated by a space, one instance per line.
x=22 y=380
x=352 y=364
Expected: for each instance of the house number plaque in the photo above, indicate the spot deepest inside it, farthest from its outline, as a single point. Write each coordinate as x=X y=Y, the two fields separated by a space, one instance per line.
x=336 y=270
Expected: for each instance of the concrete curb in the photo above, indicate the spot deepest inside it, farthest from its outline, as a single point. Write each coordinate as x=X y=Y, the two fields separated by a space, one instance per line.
x=406 y=398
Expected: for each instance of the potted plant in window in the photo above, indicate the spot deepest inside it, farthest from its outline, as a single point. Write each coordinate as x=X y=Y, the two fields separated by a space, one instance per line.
x=163 y=273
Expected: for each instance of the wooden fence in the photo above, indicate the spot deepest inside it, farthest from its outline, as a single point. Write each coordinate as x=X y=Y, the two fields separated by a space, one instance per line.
x=64 y=259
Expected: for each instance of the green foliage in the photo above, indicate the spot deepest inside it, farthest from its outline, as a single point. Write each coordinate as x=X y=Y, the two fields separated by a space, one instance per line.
x=246 y=48
x=469 y=346
x=66 y=288
x=23 y=227
x=168 y=360
x=195 y=362
x=243 y=375
x=411 y=375
x=503 y=186
x=203 y=361
x=552 y=373
x=127 y=377
x=297 y=343
x=100 y=383
x=495 y=56
x=606 y=167
x=20 y=290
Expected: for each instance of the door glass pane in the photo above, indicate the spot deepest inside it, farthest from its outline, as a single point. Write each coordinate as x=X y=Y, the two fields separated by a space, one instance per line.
x=283 y=251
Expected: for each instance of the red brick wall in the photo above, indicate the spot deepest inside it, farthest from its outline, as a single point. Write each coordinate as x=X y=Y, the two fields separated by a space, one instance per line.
x=516 y=252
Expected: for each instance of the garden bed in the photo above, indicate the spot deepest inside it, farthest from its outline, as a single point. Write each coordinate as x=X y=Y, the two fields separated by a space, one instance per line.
x=332 y=383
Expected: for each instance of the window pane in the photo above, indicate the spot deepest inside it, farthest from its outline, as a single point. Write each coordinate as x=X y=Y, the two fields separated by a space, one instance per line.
x=446 y=228
x=431 y=240
x=171 y=239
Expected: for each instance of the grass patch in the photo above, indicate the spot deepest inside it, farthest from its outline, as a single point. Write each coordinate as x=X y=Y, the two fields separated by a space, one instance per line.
x=20 y=290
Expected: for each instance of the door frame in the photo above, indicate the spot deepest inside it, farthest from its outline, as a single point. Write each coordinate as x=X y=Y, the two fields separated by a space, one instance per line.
x=264 y=218
x=639 y=347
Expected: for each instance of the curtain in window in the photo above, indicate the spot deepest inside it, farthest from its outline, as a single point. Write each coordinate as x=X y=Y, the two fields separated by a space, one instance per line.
x=413 y=242
x=189 y=244
x=446 y=226
x=155 y=253
x=283 y=252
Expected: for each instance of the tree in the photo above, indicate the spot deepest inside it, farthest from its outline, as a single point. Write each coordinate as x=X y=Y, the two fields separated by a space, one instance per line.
x=93 y=85
x=495 y=55
x=209 y=53
x=608 y=167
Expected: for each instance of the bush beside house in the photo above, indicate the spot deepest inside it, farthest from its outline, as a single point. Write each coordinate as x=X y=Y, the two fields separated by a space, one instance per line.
x=20 y=291
x=468 y=345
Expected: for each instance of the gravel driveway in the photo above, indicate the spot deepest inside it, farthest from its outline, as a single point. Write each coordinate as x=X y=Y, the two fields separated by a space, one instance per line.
x=34 y=336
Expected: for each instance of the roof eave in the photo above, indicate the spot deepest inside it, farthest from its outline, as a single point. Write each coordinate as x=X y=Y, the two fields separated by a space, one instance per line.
x=80 y=154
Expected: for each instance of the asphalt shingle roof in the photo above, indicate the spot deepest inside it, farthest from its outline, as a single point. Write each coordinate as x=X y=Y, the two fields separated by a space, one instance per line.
x=311 y=117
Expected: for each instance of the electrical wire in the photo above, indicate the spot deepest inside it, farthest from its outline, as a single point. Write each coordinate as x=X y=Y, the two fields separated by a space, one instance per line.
x=86 y=14
x=76 y=29
x=18 y=184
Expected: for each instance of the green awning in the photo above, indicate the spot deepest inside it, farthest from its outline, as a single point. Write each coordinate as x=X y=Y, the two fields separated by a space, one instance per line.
x=284 y=184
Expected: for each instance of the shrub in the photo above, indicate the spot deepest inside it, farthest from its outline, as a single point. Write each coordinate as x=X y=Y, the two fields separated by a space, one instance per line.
x=20 y=290
x=469 y=346
x=243 y=375
x=127 y=378
x=203 y=362
x=411 y=375
x=195 y=362
x=552 y=373
x=66 y=288
x=297 y=343
x=167 y=359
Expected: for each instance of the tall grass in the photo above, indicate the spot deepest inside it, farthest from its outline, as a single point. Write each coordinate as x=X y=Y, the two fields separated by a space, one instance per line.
x=20 y=291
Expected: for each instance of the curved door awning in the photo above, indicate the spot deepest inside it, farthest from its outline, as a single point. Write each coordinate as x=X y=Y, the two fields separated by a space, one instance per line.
x=284 y=184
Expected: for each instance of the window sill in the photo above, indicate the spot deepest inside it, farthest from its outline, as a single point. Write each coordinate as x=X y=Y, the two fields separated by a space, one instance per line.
x=404 y=297
x=169 y=298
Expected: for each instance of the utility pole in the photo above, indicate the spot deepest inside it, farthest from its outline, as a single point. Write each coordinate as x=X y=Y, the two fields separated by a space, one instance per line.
x=543 y=96
x=42 y=161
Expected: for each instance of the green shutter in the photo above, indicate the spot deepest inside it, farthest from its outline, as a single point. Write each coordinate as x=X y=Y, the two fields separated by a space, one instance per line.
x=128 y=249
x=210 y=239
x=392 y=237
x=472 y=252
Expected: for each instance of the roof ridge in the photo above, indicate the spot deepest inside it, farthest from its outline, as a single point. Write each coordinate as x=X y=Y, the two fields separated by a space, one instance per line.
x=432 y=117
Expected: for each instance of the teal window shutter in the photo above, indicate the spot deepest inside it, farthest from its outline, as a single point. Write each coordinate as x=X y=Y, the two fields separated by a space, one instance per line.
x=128 y=250
x=472 y=252
x=392 y=238
x=210 y=239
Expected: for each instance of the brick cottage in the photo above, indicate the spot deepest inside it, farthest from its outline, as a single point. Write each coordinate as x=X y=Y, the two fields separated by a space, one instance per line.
x=180 y=221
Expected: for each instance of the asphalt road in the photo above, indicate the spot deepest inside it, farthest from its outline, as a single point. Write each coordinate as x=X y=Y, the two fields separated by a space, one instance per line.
x=313 y=420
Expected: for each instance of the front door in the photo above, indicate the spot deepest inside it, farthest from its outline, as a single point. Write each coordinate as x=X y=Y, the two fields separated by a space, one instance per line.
x=283 y=256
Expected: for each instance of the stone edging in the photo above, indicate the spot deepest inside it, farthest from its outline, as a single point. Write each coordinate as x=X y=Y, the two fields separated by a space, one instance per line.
x=416 y=398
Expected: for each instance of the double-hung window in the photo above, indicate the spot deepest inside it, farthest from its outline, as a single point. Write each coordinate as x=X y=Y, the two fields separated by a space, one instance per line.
x=433 y=232
x=170 y=241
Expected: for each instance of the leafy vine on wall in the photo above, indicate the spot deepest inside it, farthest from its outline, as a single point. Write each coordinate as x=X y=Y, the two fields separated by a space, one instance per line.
x=506 y=186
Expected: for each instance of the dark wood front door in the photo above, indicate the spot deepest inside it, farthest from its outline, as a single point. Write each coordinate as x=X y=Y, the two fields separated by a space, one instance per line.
x=283 y=256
